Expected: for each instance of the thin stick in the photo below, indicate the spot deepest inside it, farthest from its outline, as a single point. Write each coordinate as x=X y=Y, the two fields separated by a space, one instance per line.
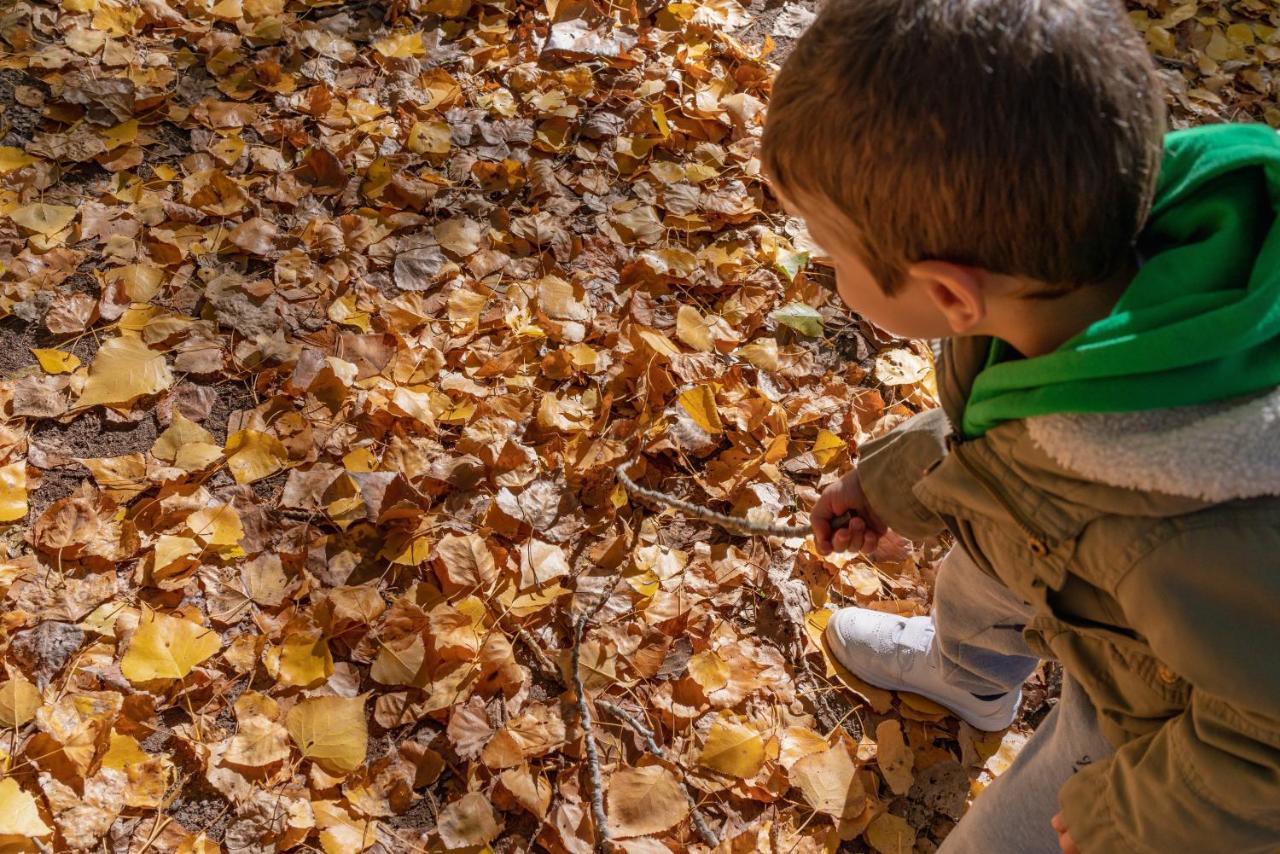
x=604 y=841
x=730 y=523
x=545 y=664
x=705 y=833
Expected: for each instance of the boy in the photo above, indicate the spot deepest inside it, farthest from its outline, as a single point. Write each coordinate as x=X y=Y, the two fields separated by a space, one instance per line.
x=995 y=173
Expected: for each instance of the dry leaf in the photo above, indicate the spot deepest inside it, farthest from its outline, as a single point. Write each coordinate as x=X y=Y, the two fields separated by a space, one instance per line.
x=894 y=757
x=43 y=219
x=331 y=731
x=18 y=813
x=166 y=647
x=645 y=800
x=19 y=700
x=733 y=747
x=890 y=834
x=13 y=491
x=123 y=370
x=828 y=780
x=466 y=822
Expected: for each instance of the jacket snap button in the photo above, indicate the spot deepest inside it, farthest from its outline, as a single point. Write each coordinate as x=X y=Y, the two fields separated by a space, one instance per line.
x=1166 y=675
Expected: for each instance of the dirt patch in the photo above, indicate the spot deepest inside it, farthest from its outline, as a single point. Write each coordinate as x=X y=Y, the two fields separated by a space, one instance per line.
x=200 y=807
x=92 y=435
x=231 y=398
x=17 y=337
x=19 y=122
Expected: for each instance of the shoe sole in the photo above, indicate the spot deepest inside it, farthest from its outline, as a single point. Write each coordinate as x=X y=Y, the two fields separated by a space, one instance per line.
x=985 y=723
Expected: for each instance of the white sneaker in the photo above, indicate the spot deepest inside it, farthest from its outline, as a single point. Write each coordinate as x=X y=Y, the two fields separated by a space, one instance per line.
x=892 y=652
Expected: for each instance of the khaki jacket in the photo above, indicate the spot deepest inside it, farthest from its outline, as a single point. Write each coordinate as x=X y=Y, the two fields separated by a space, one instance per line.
x=1149 y=546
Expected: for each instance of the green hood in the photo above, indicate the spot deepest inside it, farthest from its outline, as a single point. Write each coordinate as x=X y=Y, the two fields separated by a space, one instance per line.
x=1201 y=320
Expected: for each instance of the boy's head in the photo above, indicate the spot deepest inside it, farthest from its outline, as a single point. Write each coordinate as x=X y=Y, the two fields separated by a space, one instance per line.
x=935 y=146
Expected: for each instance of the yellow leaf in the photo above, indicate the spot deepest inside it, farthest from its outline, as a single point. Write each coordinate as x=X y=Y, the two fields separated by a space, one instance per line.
x=13 y=158
x=55 y=361
x=692 y=329
x=709 y=670
x=890 y=834
x=123 y=751
x=797 y=743
x=700 y=403
x=302 y=661
x=43 y=219
x=18 y=813
x=13 y=491
x=733 y=747
x=829 y=782
x=344 y=310
x=331 y=731
x=399 y=666
x=180 y=433
x=140 y=281
x=360 y=460
x=174 y=554
x=340 y=833
x=258 y=741
x=430 y=137
x=120 y=477
x=827 y=447
x=894 y=757
x=19 y=700
x=217 y=525
x=762 y=353
x=122 y=134
x=401 y=45
x=645 y=800
x=124 y=369
x=253 y=455
x=167 y=647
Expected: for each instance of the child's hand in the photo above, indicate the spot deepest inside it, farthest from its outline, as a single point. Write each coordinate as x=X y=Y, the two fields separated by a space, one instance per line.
x=859 y=531
x=1065 y=842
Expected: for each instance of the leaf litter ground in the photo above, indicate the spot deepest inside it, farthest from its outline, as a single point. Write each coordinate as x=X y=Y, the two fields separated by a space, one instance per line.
x=324 y=329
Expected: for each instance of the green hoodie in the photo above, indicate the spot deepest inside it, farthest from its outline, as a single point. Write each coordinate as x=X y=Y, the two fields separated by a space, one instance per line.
x=1201 y=320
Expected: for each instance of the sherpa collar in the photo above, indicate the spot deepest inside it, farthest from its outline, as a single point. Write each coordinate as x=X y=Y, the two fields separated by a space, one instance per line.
x=1215 y=452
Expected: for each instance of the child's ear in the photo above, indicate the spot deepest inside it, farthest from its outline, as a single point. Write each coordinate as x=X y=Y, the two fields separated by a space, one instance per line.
x=956 y=292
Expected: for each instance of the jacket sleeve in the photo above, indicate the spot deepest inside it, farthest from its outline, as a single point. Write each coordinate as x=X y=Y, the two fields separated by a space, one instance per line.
x=888 y=468
x=1208 y=603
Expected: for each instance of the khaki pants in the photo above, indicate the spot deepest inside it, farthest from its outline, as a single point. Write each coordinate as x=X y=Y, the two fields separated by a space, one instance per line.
x=978 y=641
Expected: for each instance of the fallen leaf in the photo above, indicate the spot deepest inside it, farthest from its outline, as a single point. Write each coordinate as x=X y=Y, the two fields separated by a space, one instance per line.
x=643 y=801
x=43 y=219
x=166 y=647
x=890 y=834
x=19 y=815
x=253 y=455
x=733 y=747
x=894 y=757
x=331 y=731
x=55 y=361
x=13 y=491
x=467 y=822
x=123 y=370
x=828 y=780
x=19 y=700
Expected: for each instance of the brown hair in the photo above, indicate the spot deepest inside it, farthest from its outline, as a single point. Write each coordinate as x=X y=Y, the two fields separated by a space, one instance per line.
x=1021 y=136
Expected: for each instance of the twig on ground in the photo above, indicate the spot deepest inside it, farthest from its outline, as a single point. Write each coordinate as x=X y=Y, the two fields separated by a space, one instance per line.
x=730 y=523
x=705 y=833
x=545 y=665
x=603 y=840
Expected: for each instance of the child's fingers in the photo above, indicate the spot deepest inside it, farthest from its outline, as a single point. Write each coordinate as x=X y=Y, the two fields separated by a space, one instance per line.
x=823 y=544
x=870 y=541
x=840 y=540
